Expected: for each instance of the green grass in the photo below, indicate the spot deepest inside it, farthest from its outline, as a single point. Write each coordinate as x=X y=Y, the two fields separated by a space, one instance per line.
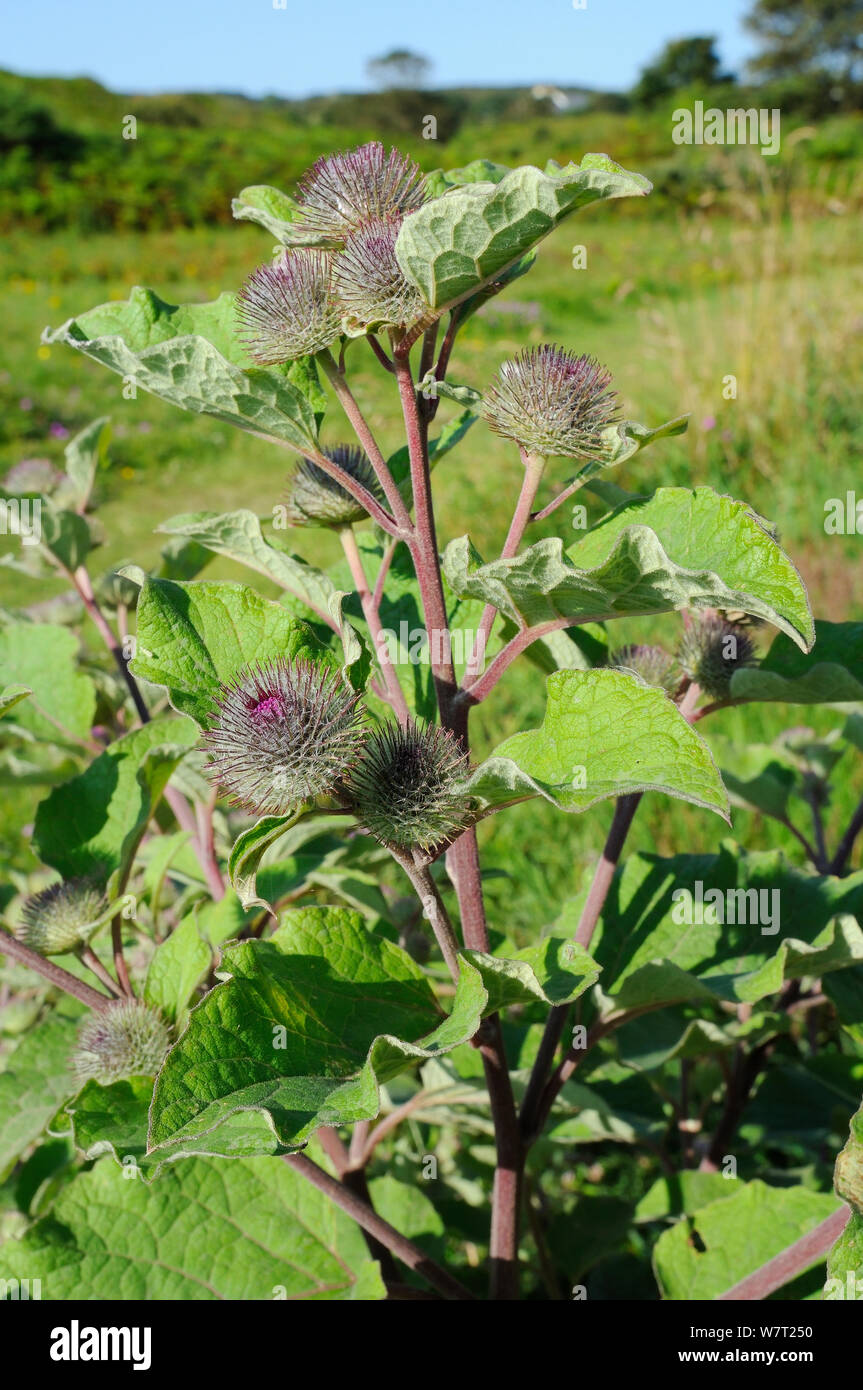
x=673 y=306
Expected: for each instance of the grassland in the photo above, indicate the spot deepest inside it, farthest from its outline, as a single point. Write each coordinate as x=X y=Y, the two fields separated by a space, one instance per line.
x=767 y=290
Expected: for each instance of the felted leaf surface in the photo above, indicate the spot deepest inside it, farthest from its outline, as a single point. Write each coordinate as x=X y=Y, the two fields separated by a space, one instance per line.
x=238 y=536
x=313 y=1020
x=192 y=356
x=626 y=736
x=207 y=1230
x=676 y=549
x=454 y=244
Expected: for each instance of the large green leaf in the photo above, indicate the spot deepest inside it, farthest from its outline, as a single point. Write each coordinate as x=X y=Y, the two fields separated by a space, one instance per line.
x=252 y=1229
x=114 y=1120
x=192 y=356
x=193 y=637
x=43 y=658
x=605 y=734
x=36 y=1081
x=311 y=1022
x=238 y=536
x=650 y=954
x=676 y=549
x=729 y=1239
x=179 y=964
x=454 y=244
x=832 y=673
x=93 y=824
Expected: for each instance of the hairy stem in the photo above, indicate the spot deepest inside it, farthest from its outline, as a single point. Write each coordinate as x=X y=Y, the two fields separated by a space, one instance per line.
x=16 y=950
x=400 y=514
x=534 y=466
x=362 y=1213
x=791 y=1261
x=81 y=581
x=624 y=812
x=846 y=844
x=433 y=907
x=394 y=692
x=424 y=543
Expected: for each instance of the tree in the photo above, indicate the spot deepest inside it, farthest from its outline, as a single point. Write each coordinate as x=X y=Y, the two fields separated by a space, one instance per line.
x=682 y=63
x=808 y=36
x=399 y=69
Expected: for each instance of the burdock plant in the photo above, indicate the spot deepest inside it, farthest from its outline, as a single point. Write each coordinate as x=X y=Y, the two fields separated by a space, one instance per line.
x=336 y=706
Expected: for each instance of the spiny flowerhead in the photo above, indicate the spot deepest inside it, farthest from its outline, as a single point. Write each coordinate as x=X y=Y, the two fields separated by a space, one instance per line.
x=369 y=281
x=283 y=732
x=126 y=1039
x=286 y=310
x=653 y=664
x=341 y=192
x=316 y=499
x=407 y=788
x=552 y=403
x=61 y=917
x=712 y=649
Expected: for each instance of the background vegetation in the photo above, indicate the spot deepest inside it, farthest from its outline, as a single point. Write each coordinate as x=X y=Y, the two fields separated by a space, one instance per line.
x=737 y=265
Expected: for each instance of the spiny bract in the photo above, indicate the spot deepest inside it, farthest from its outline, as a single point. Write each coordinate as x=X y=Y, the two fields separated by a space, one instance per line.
x=343 y=191
x=316 y=499
x=552 y=403
x=653 y=664
x=369 y=281
x=61 y=917
x=407 y=789
x=126 y=1039
x=283 y=732
x=711 y=650
x=286 y=310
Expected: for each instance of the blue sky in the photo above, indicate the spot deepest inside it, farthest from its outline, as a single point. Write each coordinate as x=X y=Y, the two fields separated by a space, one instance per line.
x=322 y=45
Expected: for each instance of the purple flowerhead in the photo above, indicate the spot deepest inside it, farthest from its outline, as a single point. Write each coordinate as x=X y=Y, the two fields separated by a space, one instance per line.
x=342 y=192
x=369 y=281
x=286 y=310
x=552 y=403
x=283 y=732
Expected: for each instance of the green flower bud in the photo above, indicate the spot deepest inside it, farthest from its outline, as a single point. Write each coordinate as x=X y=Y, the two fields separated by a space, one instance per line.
x=407 y=788
x=552 y=403
x=653 y=664
x=126 y=1039
x=316 y=499
x=62 y=917
x=711 y=649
